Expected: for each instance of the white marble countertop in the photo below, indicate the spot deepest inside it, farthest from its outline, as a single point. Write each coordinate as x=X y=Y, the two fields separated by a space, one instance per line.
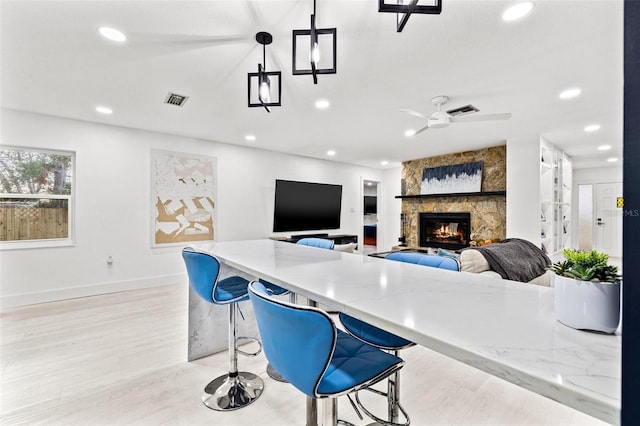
x=503 y=327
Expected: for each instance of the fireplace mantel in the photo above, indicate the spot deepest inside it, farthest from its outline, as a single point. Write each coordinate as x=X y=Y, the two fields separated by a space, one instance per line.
x=457 y=194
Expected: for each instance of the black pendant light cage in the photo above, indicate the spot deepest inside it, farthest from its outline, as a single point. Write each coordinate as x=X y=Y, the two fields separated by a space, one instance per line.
x=405 y=8
x=264 y=87
x=314 y=50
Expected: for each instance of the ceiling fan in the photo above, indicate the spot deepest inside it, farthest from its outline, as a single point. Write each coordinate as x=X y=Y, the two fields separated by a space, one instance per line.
x=441 y=119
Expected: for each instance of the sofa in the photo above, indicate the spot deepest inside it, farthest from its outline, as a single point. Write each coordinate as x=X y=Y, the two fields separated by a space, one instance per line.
x=514 y=259
x=472 y=260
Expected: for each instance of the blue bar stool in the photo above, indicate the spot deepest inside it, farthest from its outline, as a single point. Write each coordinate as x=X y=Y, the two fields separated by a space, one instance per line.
x=384 y=340
x=277 y=291
x=237 y=388
x=316 y=242
x=304 y=345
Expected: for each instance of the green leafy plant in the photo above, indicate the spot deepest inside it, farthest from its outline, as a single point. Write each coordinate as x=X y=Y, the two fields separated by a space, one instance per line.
x=586 y=266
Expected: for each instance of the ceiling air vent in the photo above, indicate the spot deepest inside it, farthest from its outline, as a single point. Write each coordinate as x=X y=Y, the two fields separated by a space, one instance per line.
x=464 y=110
x=175 y=99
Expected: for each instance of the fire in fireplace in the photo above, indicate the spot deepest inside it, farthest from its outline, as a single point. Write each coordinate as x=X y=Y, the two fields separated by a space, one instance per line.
x=445 y=230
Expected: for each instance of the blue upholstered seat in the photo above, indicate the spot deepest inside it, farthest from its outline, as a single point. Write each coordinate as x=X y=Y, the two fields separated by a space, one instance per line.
x=373 y=335
x=316 y=242
x=237 y=388
x=389 y=341
x=203 y=270
x=305 y=347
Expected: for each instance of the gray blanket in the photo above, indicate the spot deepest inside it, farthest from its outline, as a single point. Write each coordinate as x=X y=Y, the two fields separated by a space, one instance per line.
x=516 y=259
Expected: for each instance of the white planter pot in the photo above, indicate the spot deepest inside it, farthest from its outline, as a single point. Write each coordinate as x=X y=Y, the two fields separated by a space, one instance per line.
x=586 y=305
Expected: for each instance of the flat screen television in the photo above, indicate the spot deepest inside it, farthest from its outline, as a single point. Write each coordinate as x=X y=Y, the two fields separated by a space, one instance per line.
x=370 y=204
x=306 y=206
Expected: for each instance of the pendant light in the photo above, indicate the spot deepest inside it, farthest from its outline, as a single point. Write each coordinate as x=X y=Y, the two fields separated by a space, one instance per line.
x=264 y=86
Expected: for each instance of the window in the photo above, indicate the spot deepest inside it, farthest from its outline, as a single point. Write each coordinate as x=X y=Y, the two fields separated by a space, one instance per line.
x=36 y=197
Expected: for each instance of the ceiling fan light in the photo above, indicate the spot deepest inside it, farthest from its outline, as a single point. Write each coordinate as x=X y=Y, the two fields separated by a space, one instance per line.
x=517 y=11
x=409 y=133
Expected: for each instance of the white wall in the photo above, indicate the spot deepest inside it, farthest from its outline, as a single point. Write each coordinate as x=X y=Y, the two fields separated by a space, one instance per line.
x=113 y=211
x=392 y=208
x=523 y=189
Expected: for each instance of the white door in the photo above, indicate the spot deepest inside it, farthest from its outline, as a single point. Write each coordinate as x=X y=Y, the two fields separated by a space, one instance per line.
x=608 y=219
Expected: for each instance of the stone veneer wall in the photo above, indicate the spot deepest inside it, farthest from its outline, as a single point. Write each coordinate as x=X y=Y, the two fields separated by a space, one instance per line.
x=488 y=213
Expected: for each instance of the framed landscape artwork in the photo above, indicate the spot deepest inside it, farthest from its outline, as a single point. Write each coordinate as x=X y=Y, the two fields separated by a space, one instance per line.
x=182 y=192
x=457 y=178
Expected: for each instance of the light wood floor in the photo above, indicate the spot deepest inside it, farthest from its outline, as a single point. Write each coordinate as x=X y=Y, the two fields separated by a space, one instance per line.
x=120 y=359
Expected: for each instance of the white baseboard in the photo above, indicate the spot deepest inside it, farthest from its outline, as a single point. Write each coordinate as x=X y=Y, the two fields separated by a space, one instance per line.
x=89 y=290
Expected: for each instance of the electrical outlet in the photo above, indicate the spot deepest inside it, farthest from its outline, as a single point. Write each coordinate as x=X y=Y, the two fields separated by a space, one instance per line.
x=109 y=261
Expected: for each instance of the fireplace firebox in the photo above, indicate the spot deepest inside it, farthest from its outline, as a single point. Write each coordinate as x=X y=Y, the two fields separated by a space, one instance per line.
x=445 y=230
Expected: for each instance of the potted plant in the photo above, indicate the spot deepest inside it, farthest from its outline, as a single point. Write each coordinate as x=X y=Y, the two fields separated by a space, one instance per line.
x=587 y=291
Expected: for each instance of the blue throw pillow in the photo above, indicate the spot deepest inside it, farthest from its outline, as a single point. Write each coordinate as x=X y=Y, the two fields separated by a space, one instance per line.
x=447 y=253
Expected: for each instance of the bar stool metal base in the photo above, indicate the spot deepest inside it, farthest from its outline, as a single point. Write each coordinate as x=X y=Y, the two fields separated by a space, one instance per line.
x=395 y=421
x=227 y=393
x=271 y=372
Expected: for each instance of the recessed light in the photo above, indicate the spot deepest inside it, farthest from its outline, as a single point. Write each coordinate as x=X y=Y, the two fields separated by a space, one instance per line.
x=592 y=128
x=322 y=104
x=517 y=11
x=384 y=163
x=104 y=110
x=331 y=153
x=570 y=93
x=612 y=160
x=604 y=147
x=409 y=133
x=112 y=34
x=250 y=138
x=369 y=184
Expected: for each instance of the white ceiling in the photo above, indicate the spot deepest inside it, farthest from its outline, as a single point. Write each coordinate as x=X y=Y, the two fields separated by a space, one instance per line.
x=54 y=62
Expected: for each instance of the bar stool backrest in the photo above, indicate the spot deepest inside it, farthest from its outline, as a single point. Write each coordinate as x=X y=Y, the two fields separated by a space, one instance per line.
x=425 y=260
x=316 y=242
x=297 y=340
x=203 y=270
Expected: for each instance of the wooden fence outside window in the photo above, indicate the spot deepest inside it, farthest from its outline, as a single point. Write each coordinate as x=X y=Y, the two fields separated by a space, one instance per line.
x=33 y=223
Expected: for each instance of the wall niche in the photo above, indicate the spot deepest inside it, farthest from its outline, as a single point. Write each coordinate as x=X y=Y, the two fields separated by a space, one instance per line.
x=488 y=213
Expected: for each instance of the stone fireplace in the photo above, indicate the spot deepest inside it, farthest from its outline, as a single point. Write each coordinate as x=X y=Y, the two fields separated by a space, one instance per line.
x=487 y=209
x=451 y=230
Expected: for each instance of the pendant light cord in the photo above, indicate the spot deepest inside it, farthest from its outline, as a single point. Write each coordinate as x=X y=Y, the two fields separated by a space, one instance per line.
x=264 y=57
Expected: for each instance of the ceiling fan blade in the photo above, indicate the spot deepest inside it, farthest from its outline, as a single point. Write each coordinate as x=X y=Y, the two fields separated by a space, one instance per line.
x=414 y=113
x=186 y=41
x=421 y=130
x=482 y=117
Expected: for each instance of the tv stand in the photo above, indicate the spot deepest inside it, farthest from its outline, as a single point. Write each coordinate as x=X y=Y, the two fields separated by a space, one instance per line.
x=301 y=236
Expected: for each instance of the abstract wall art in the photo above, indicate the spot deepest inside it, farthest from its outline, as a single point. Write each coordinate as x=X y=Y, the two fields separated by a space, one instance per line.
x=182 y=192
x=453 y=179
